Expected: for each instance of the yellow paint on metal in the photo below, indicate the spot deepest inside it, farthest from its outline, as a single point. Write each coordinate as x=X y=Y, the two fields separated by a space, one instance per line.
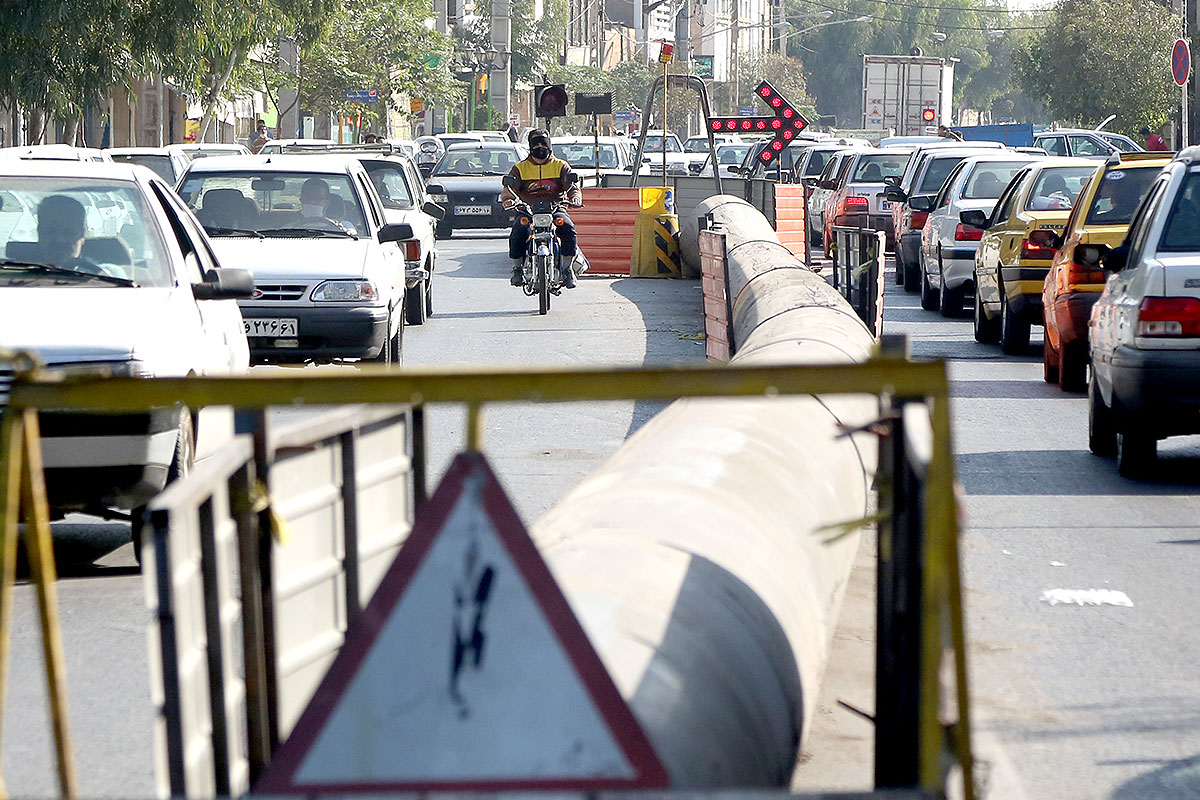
x=10 y=471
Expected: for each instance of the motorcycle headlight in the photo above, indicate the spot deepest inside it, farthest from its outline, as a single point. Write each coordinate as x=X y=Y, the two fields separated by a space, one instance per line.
x=345 y=292
x=440 y=199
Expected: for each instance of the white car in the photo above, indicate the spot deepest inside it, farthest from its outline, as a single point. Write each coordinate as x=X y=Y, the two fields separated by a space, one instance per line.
x=149 y=300
x=194 y=150
x=276 y=146
x=652 y=154
x=54 y=152
x=329 y=282
x=616 y=154
x=167 y=162
x=947 y=253
x=1144 y=336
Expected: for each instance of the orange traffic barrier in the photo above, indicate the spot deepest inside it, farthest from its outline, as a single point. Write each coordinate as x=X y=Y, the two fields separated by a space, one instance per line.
x=605 y=228
x=790 y=225
x=716 y=299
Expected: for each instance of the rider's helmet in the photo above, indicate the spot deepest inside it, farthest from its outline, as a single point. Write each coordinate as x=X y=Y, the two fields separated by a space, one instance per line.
x=540 y=136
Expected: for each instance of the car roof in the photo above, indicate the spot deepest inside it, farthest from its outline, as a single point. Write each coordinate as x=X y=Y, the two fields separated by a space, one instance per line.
x=283 y=162
x=51 y=152
x=461 y=146
x=231 y=146
x=61 y=168
x=137 y=151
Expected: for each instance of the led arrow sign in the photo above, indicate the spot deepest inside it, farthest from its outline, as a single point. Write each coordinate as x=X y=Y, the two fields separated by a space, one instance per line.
x=785 y=124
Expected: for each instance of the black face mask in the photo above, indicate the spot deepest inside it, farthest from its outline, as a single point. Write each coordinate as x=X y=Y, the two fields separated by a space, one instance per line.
x=540 y=152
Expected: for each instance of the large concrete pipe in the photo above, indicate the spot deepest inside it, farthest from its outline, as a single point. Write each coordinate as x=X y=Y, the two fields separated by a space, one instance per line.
x=697 y=557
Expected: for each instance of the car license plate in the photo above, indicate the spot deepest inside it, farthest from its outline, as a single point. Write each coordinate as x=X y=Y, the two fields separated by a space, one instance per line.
x=271 y=328
x=472 y=210
x=884 y=205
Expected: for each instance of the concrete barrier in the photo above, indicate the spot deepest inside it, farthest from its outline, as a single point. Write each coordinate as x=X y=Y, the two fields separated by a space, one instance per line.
x=697 y=557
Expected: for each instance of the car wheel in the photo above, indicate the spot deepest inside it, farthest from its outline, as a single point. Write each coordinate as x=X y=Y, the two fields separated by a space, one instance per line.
x=429 y=295
x=950 y=301
x=987 y=331
x=1072 y=367
x=929 y=295
x=387 y=353
x=442 y=231
x=912 y=276
x=415 y=307
x=1136 y=450
x=1102 y=435
x=1049 y=362
x=1014 y=332
x=181 y=465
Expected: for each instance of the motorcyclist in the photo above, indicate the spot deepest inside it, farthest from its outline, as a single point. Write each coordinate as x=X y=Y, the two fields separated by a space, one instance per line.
x=542 y=177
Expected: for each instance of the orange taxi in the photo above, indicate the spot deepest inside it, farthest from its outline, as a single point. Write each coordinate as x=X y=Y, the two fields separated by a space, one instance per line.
x=1100 y=216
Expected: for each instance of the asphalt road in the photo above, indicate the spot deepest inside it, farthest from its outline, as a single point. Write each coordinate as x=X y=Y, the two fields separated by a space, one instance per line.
x=540 y=452
x=1070 y=701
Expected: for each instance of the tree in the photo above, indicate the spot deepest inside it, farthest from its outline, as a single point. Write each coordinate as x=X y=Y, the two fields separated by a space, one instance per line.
x=1091 y=62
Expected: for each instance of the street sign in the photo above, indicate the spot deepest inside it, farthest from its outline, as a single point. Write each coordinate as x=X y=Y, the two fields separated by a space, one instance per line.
x=467 y=671
x=785 y=124
x=361 y=95
x=666 y=53
x=746 y=111
x=704 y=66
x=1181 y=62
x=624 y=116
x=593 y=102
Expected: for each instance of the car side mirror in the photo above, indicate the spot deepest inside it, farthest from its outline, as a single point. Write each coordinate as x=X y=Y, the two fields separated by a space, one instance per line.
x=426 y=170
x=395 y=232
x=1115 y=260
x=921 y=202
x=810 y=183
x=435 y=188
x=733 y=169
x=894 y=194
x=828 y=184
x=1090 y=255
x=974 y=218
x=509 y=182
x=225 y=284
x=434 y=210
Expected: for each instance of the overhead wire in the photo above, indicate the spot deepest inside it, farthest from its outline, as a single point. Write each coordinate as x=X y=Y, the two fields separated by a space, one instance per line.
x=938 y=25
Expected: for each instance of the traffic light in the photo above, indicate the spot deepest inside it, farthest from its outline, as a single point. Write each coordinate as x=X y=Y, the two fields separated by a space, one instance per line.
x=929 y=115
x=550 y=100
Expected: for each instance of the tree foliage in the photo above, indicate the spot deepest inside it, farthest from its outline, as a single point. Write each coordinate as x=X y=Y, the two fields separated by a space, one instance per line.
x=1091 y=62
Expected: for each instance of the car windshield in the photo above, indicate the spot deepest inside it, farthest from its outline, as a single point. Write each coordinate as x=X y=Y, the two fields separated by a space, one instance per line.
x=875 y=167
x=1118 y=196
x=476 y=161
x=74 y=232
x=1056 y=188
x=988 y=179
x=449 y=140
x=1121 y=143
x=936 y=173
x=1181 y=234
x=732 y=153
x=654 y=143
x=388 y=178
x=583 y=154
x=247 y=203
x=160 y=164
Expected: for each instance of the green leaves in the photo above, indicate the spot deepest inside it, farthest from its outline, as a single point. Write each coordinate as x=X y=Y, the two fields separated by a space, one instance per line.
x=1091 y=62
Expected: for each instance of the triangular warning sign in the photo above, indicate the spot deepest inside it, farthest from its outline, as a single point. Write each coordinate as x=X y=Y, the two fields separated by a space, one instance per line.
x=467 y=671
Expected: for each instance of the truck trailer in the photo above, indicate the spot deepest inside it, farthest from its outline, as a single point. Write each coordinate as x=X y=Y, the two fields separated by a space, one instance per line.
x=910 y=95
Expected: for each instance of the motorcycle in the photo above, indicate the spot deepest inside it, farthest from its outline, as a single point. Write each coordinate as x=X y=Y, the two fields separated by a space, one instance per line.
x=542 y=271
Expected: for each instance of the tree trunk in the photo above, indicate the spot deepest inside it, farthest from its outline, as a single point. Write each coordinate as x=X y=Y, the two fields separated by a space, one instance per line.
x=35 y=121
x=71 y=132
x=214 y=94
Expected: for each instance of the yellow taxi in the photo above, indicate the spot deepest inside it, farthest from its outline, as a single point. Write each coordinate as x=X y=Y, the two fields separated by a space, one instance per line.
x=1017 y=246
x=1099 y=221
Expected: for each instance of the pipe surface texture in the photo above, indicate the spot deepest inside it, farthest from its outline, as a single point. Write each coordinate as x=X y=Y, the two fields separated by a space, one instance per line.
x=697 y=557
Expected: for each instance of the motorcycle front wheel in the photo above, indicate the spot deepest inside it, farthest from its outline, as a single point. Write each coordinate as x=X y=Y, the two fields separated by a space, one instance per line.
x=543 y=284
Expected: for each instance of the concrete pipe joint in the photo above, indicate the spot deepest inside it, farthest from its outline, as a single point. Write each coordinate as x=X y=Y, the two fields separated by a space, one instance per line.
x=697 y=557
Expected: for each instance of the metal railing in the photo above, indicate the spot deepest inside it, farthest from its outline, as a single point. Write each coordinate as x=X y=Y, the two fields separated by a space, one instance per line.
x=858 y=257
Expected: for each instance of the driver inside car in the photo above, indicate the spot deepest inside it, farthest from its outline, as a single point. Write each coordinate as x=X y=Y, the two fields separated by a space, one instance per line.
x=542 y=177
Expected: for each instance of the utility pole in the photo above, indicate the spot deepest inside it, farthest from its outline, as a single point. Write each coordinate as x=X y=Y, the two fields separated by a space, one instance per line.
x=734 y=48
x=500 y=87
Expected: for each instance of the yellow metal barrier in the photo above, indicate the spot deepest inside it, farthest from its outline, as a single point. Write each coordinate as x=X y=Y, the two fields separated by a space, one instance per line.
x=33 y=389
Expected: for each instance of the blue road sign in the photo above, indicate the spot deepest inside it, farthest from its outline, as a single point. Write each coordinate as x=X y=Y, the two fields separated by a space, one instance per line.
x=361 y=95
x=747 y=111
x=623 y=116
x=1181 y=62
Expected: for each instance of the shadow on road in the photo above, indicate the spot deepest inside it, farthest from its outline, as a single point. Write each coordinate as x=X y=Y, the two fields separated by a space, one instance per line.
x=1072 y=473
x=80 y=549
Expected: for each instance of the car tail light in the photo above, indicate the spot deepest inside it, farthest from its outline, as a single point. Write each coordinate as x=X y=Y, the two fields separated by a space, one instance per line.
x=1040 y=244
x=967 y=233
x=1080 y=274
x=855 y=202
x=918 y=220
x=412 y=251
x=1169 y=316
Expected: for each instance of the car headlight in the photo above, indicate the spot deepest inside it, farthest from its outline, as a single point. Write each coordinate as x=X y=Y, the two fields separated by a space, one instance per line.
x=439 y=198
x=345 y=291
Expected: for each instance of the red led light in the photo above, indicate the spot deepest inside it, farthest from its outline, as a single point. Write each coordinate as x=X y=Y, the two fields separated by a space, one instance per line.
x=716 y=124
x=776 y=102
x=731 y=124
x=746 y=124
x=765 y=91
x=788 y=135
x=767 y=155
x=777 y=145
x=761 y=125
x=788 y=113
x=928 y=115
x=798 y=124
x=776 y=124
